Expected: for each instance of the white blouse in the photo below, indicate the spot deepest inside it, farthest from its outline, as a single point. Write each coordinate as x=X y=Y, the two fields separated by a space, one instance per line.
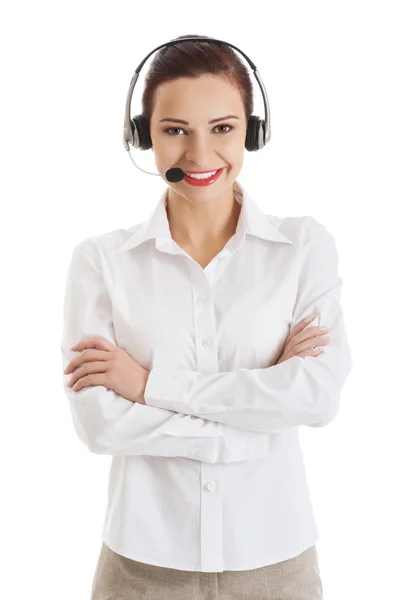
x=209 y=474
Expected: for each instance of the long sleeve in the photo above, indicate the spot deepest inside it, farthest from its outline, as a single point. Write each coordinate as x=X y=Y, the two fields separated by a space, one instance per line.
x=108 y=423
x=298 y=391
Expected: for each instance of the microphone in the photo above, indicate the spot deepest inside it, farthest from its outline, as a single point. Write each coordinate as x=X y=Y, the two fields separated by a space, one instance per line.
x=173 y=175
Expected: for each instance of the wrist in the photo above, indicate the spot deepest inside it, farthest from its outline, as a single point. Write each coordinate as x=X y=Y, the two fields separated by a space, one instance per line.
x=141 y=399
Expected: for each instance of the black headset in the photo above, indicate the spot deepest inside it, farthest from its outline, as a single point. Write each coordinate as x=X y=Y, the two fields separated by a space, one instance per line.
x=137 y=130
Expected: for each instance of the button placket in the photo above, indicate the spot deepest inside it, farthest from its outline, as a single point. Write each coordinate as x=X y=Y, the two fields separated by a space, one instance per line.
x=204 y=321
x=211 y=515
x=211 y=547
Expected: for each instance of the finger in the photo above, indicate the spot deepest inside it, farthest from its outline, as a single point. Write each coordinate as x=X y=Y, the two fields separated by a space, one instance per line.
x=310 y=352
x=300 y=326
x=94 y=341
x=91 y=379
x=310 y=343
x=86 y=356
x=307 y=333
x=310 y=333
x=87 y=369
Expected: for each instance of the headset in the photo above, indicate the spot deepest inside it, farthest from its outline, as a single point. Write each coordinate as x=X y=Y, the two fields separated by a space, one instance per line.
x=137 y=130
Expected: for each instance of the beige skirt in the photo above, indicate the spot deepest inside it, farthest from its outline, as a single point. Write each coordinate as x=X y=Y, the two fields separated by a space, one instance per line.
x=120 y=578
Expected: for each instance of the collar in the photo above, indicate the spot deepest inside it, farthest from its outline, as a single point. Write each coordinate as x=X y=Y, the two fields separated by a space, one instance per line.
x=251 y=221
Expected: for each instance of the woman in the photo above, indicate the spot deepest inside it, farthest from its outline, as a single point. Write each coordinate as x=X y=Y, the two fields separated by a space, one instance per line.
x=193 y=353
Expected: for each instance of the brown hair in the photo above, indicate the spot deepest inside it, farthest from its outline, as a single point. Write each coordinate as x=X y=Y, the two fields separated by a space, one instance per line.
x=192 y=59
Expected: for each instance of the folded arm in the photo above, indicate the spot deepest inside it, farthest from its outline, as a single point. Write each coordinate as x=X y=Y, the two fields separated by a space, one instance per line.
x=108 y=423
x=298 y=391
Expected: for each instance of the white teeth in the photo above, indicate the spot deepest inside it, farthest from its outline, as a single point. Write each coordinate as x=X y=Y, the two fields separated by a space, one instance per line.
x=202 y=175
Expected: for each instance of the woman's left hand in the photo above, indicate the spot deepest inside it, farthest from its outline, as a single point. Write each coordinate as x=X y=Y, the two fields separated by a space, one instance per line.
x=100 y=362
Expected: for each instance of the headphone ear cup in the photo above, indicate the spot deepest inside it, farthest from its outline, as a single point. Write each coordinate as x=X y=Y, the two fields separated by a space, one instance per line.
x=255 y=134
x=141 y=133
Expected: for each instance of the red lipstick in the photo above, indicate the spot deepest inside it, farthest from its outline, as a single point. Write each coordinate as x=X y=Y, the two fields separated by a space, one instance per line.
x=203 y=182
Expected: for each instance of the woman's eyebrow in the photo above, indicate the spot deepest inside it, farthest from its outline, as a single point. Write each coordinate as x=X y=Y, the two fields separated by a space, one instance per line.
x=186 y=123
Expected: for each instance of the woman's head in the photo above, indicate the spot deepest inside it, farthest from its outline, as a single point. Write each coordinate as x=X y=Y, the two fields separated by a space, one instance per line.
x=198 y=82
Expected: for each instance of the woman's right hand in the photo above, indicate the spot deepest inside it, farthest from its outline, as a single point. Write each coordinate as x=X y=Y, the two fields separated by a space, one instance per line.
x=302 y=339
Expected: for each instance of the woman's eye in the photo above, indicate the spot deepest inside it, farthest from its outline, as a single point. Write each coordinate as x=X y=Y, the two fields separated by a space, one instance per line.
x=230 y=127
x=169 y=129
x=180 y=129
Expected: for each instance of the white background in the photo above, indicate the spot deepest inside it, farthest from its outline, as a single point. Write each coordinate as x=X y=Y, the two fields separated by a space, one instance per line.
x=331 y=74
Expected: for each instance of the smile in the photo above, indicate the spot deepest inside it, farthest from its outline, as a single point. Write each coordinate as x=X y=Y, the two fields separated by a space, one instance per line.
x=203 y=179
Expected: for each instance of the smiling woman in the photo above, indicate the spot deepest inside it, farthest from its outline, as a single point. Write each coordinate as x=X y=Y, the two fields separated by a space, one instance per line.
x=188 y=370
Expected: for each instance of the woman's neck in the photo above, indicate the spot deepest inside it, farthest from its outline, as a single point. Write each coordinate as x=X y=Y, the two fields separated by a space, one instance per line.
x=203 y=225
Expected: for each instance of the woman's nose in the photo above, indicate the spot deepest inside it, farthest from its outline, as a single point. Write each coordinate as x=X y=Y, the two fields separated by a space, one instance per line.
x=199 y=149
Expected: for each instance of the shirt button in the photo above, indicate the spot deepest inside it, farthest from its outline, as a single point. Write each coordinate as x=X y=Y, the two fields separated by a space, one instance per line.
x=206 y=342
x=202 y=298
x=249 y=450
x=199 y=453
x=211 y=485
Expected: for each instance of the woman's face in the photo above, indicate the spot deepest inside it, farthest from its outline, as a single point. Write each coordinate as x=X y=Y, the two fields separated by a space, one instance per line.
x=199 y=145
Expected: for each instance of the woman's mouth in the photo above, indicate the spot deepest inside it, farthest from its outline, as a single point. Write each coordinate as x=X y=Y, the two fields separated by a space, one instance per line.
x=205 y=178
